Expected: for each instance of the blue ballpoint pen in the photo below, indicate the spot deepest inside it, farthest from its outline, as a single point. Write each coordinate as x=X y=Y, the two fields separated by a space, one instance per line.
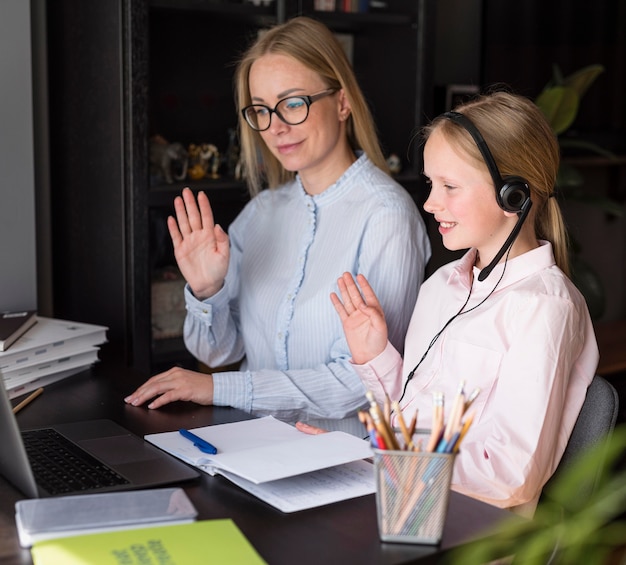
x=202 y=444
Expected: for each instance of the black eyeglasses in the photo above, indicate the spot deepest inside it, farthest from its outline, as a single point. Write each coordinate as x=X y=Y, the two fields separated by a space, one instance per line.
x=292 y=110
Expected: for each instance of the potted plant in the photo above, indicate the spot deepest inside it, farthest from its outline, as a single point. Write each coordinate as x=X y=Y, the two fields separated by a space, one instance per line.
x=568 y=527
x=559 y=101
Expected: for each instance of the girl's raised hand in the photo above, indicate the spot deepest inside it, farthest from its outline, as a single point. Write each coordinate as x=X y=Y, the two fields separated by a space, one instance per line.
x=362 y=318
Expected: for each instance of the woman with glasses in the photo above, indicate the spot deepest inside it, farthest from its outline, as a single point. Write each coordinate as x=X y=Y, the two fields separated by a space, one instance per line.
x=260 y=293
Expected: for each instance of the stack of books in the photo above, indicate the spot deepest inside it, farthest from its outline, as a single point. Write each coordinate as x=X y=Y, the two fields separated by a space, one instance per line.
x=50 y=350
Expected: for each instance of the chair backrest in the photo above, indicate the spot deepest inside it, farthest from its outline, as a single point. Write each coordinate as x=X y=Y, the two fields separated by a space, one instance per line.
x=595 y=422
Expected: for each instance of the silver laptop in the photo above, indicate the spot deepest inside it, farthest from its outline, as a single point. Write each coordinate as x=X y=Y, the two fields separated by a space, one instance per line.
x=99 y=456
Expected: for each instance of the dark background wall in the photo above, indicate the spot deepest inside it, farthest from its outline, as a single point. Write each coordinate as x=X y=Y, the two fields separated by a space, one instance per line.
x=484 y=42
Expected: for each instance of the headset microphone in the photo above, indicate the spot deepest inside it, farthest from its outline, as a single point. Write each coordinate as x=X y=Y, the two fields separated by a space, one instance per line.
x=484 y=273
x=512 y=193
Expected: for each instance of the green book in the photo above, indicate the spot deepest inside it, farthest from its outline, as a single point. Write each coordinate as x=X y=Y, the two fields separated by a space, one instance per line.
x=214 y=541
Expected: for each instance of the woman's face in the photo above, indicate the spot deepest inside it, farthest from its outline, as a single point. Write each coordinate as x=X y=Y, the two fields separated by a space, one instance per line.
x=318 y=144
x=462 y=200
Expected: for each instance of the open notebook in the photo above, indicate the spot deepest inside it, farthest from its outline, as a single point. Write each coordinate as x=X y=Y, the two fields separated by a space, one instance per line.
x=277 y=463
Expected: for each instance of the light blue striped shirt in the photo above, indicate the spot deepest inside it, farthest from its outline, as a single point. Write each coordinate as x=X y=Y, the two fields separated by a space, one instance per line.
x=287 y=250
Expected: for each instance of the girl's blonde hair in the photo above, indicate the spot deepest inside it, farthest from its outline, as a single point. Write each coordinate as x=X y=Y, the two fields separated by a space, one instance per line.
x=312 y=44
x=522 y=144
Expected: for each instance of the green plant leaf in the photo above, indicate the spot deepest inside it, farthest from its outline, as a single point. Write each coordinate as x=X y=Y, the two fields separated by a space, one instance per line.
x=557 y=75
x=578 y=529
x=556 y=79
x=582 y=79
x=559 y=105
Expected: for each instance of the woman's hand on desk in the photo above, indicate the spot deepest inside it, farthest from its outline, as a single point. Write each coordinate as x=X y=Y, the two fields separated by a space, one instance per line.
x=172 y=385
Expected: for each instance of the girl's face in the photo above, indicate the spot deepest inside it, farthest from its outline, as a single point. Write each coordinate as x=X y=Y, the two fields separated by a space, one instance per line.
x=462 y=199
x=316 y=147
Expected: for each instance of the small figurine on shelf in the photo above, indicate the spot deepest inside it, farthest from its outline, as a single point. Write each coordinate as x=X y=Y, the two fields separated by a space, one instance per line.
x=394 y=164
x=232 y=152
x=196 y=169
x=214 y=160
x=202 y=158
x=168 y=161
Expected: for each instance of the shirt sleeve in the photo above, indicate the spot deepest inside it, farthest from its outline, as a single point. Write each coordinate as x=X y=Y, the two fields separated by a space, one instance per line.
x=383 y=374
x=527 y=416
x=211 y=328
x=330 y=391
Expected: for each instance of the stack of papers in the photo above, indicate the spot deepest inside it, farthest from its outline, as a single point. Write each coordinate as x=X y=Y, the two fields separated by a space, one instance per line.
x=49 y=351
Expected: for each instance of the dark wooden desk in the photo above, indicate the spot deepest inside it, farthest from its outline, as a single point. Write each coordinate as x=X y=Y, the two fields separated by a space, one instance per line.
x=345 y=532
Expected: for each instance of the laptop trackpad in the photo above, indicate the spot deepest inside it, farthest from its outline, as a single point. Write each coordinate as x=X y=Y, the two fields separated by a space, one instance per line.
x=119 y=449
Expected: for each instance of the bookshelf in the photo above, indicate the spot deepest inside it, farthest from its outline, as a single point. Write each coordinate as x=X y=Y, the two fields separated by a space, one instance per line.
x=137 y=68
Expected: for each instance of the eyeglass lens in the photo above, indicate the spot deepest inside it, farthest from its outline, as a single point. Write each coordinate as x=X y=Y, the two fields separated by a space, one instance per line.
x=292 y=111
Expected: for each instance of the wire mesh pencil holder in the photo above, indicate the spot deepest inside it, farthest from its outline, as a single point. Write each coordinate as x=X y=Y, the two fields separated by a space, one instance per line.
x=412 y=491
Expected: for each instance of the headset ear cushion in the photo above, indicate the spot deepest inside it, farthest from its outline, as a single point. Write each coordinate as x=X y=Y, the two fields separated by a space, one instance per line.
x=513 y=194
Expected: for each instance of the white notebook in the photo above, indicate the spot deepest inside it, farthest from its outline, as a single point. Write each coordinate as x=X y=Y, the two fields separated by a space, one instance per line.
x=51 y=338
x=274 y=461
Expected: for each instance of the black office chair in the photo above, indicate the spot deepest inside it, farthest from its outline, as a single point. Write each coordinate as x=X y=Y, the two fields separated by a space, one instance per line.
x=595 y=422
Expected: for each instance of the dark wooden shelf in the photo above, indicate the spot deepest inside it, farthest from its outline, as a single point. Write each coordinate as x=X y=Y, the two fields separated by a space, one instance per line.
x=219 y=190
x=344 y=21
x=242 y=11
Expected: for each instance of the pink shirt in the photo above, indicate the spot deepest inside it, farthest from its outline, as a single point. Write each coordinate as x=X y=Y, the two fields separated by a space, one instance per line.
x=530 y=348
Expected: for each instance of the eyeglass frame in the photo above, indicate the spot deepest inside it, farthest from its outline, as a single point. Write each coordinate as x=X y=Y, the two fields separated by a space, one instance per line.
x=308 y=100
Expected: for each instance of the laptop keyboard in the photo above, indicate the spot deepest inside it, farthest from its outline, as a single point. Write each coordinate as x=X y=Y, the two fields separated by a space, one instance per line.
x=62 y=467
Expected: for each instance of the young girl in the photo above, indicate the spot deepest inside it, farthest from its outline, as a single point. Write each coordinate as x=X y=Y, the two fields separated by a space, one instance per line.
x=520 y=332
x=261 y=293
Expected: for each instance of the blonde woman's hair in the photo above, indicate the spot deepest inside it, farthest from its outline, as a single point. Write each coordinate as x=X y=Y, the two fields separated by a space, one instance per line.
x=522 y=144
x=311 y=43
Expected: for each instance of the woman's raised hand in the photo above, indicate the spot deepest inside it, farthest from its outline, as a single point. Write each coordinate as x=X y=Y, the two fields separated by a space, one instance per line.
x=362 y=318
x=200 y=246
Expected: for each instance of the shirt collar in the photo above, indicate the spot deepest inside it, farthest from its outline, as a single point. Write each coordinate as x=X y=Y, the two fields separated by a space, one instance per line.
x=336 y=190
x=516 y=269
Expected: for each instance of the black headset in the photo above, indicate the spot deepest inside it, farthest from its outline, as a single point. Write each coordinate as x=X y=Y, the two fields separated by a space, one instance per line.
x=512 y=192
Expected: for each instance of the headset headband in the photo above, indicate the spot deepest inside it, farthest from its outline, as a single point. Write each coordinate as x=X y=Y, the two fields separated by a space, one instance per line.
x=480 y=143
